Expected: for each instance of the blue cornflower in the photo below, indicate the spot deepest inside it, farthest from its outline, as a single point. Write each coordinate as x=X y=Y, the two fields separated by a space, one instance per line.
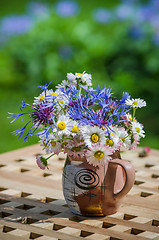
x=125 y=11
x=16 y=25
x=109 y=111
x=67 y=8
x=20 y=131
x=41 y=114
x=99 y=94
x=125 y=97
x=102 y=15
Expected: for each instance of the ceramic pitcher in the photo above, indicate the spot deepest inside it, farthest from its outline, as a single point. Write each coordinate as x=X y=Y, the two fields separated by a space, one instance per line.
x=96 y=191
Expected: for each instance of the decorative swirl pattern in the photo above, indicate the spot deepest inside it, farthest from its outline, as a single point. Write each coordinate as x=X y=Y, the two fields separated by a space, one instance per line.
x=86 y=179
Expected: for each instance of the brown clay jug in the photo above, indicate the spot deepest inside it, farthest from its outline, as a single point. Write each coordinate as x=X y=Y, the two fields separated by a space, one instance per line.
x=96 y=191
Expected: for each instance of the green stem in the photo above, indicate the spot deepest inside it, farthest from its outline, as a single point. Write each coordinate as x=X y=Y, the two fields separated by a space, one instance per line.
x=49 y=156
x=61 y=139
x=77 y=83
x=61 y=107
x=80 y=90
x=128 y=135
x=134 y=110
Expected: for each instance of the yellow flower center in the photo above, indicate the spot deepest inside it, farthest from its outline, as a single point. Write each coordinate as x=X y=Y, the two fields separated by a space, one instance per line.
x=54 y=94
x=62 y=125
x=53 y=143
x=79 y=74
x=62 y=102
x=63 y=144
x=42 y=98
x=112 y=109
x=137 y=129
x=94 y=138
x=103 y=128
x=109 y=142
x=130 y=118
x=123 y=139
x=44 y=143
x=135 y=103
x=99 y=154
x=74 y=129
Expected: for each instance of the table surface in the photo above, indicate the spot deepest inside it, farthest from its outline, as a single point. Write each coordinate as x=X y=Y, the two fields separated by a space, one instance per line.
x=32 y=205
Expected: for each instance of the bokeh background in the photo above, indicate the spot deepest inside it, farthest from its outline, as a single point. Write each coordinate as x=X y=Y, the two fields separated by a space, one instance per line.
x=116 y=41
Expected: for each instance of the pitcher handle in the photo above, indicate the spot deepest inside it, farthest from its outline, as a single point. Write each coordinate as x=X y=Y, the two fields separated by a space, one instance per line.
x=129 y=174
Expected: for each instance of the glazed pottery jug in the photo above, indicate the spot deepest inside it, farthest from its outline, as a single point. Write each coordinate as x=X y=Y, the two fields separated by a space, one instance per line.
x=96 y=191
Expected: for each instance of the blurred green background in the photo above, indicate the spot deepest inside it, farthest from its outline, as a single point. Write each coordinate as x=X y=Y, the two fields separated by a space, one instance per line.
x=116 y=41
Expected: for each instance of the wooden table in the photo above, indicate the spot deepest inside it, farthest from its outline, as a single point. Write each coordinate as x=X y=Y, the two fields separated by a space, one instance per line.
x=32 y=205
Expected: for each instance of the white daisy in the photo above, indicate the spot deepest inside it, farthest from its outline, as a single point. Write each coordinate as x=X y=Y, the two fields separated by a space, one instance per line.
x=61 y=100
x=125 y=139
x=93 y=135
x=64 y=125
x=41 y=162
x=98 y=154
x=75 y=130
x=85 y=78
x=127 y=119
x=54 y=144
x=76 y=147
x=43 y=97
x=64 y=84
x=49 y=96
x=61 y=104
x=135 y=103
x=78 y=140
x=136 y=139
x=137 y=129
x=72 y=78
x=113 y=140
x=44 y=143
x=75 y=151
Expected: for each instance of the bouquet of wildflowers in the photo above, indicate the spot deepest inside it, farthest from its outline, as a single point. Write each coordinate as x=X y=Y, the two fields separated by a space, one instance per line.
x=81 y=121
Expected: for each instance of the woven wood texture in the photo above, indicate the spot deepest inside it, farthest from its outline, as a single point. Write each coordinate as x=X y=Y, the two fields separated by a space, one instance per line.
x=32 y=205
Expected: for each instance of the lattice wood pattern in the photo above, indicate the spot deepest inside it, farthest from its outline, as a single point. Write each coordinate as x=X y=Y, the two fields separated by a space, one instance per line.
x=32 y=204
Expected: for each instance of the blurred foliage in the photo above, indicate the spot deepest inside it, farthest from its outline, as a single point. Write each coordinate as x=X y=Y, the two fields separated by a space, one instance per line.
x=57 y=45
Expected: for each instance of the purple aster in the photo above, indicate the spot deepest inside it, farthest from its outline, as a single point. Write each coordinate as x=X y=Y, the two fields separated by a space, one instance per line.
x=16 y=24
x=101 y=15
x=67 y=8
x=102 y=119
x=42 y=114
